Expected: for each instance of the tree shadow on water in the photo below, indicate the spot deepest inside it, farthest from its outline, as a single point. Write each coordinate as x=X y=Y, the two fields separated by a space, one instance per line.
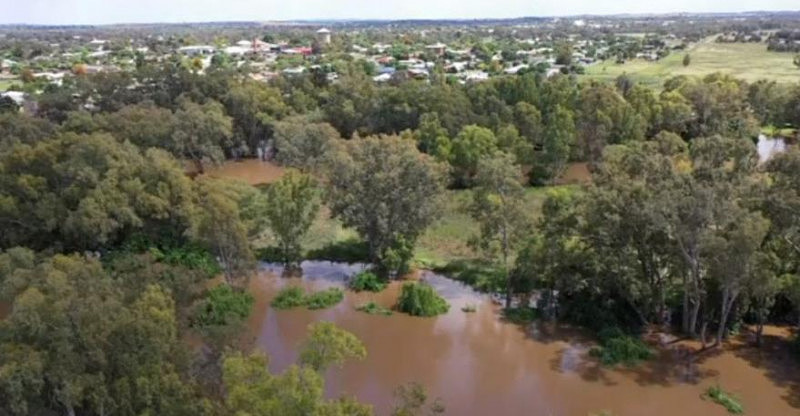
x=776 y=360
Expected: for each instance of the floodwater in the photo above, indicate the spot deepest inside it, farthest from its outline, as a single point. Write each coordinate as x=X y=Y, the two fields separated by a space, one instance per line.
x=769 y=146
x=480 y=365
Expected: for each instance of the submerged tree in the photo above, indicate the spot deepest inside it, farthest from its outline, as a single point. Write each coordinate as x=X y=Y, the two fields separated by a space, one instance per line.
x=292 y=206
x=498 y=206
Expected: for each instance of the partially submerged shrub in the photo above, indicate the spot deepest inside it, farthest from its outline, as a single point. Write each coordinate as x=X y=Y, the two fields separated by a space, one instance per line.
x=616 y=347
x=289 y=297
x=725 y=399
x=367 y=281
x=373 y=308
x=325 y=298
x=292 y=297
x=420 y=299
x=520 y=316
x=224 y=305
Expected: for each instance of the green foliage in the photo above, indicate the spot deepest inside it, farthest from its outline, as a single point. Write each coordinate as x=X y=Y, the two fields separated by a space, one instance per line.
x=224 y=305
x=190 y=256
x=391 y=209
x=420 y=299
x=481 y=275
x=304 y=145
x=289 y=297
x=616 y=347
x=202 y=132
x=292 y=206
x=351 y=250
x=221 y=227
x=329 y=345
x=373 y=308
x=299 y=391
x=324 y=298
x=366 y=281
x=294 y=296
x=126 y=347
x=730 y=402
x=521 y=315
x=412 y=400
x=471 y=145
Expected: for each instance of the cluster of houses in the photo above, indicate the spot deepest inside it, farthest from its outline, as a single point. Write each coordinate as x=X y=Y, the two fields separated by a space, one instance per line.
x=462 y=62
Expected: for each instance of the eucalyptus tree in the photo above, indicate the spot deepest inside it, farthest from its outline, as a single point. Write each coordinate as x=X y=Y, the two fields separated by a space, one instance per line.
x=389 y=192
x=498 y=205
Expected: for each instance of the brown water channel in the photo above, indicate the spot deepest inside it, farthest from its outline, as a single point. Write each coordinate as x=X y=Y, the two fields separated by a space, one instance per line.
x=479 y=365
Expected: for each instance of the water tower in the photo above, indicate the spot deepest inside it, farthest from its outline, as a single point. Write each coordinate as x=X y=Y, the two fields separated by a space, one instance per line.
x=324 y=36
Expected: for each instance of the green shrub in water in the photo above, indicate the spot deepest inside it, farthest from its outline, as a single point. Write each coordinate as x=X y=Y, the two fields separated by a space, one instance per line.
x=616 y=347
x=367 y=281
x=419 y=299
x=373 y=308
x=725 y=399
x=224 y=305
x=289 y=297
x=520 y=316
x=324 y=298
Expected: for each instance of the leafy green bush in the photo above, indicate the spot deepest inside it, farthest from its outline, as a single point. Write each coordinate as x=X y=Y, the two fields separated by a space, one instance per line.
x=367 y=281
x=289 y=297
x=171 y=251
x=725 y=399
x=482 y=276
x=617 y=347
x=520 y=316
x=324 y=298
x=419 y=299
x=373 y=308
x=224 y=305
x=292 y=297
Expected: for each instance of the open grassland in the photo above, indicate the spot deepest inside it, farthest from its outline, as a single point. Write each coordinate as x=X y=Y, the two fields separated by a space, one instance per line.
x=747 y=61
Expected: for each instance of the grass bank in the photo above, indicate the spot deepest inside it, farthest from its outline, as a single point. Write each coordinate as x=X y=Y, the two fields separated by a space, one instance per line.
x=748 y=61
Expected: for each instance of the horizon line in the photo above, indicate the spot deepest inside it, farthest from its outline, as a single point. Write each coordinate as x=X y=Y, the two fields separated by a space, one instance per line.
x=411 y=19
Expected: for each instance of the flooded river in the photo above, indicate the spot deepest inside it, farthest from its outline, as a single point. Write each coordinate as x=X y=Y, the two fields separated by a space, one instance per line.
x=479 y=365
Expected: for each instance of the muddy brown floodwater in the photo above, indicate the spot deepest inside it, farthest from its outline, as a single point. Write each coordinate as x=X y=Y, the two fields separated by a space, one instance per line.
x=480 y=365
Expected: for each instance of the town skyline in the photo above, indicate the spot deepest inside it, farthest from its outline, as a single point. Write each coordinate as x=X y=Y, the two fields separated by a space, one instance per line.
x=96 y=12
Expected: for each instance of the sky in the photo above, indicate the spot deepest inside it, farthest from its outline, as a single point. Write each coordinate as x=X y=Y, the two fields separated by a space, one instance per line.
x=149 y=11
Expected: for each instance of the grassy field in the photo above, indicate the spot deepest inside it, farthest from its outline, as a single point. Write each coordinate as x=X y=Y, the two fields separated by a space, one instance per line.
x=747 y=61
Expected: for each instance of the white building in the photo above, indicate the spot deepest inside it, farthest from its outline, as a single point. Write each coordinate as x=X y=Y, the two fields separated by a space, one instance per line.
x=195 y=50
x=324 y=36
